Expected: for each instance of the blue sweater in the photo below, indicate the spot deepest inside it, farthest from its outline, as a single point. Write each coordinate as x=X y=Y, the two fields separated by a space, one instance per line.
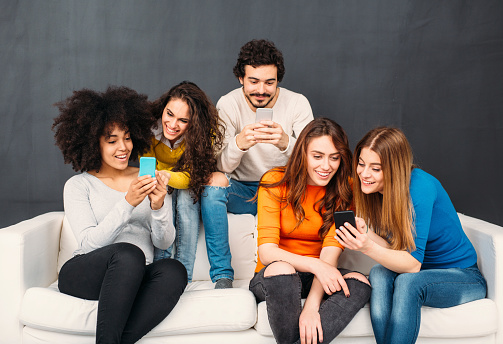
x=439 y=237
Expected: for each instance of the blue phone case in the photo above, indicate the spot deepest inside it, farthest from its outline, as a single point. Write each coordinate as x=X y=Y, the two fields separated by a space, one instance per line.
x=147 y=166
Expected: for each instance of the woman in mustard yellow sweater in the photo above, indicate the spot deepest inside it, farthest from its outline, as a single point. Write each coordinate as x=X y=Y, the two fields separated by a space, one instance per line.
x=186 y=136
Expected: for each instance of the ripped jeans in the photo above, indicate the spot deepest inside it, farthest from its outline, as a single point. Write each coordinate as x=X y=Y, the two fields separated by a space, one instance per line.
x=215 y=203
x=283 y=294
x=186 y=220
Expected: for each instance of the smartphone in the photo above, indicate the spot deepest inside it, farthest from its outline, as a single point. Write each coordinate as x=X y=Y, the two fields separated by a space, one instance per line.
x=147 y=166
x=341 y=217
x=263 y=114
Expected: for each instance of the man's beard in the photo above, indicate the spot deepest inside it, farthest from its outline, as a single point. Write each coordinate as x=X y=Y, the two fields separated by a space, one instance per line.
x=264 y=103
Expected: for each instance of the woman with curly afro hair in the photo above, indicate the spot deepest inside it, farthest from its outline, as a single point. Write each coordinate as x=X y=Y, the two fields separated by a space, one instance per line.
x=187 y=135
x=116 y=216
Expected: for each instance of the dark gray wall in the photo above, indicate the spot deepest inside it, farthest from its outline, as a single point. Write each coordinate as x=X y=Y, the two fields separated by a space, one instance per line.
x=433 y=68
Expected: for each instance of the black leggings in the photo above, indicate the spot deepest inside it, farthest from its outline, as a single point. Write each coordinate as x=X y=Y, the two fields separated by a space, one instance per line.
x=283 y=294
x=133 y=297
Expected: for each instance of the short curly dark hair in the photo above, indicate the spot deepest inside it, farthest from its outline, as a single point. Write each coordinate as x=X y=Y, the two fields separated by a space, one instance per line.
x=87 y=115
x=259 y=52
x=204 y=135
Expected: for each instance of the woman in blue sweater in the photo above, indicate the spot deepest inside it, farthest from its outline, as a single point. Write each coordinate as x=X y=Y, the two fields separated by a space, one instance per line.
x=415 y=235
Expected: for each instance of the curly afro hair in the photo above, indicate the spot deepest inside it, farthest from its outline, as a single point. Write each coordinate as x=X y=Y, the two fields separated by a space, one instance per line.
x=87 y=115
x=204 y=135
x=259 y=53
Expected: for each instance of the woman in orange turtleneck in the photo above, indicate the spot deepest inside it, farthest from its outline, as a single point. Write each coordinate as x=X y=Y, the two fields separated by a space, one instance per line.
x=298 y=253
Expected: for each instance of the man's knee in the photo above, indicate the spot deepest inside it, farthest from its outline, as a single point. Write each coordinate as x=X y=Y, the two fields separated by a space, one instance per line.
x=218 y=179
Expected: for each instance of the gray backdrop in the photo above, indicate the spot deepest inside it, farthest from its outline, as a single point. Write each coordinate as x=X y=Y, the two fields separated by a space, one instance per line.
x=432 y=68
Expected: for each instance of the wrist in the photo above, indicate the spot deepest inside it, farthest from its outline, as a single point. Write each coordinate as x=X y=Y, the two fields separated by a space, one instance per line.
x=313 y=264
x=130 y=201
x=309 y=305
x=371 y=246
x=237 y=144
x=284 y=143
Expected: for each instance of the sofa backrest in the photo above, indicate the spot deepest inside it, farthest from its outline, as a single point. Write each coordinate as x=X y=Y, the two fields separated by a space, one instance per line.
x=357 y=261
x=242 y=234
x=243 y=244
x=67 y=244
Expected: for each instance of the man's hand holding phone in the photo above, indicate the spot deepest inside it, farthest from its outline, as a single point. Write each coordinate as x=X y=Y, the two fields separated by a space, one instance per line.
x=264 y=130
x=272 y=133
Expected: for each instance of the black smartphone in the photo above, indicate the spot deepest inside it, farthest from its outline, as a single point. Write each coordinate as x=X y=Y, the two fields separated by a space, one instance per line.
x=341 y=217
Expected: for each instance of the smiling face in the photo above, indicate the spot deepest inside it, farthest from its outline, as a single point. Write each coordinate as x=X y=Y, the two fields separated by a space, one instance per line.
x=370 y=172
x=175 y=119
x=323 y=161
x=260 y=86
x=115 y=149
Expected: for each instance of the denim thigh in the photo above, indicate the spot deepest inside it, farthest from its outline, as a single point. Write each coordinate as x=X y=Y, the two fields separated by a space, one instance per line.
x=240 y=196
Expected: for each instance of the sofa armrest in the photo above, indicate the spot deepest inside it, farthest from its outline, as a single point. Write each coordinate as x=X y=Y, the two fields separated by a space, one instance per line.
x=28 y=258
x=487 y=239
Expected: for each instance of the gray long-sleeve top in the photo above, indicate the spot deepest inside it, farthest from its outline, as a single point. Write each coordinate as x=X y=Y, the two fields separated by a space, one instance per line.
x=101 y=216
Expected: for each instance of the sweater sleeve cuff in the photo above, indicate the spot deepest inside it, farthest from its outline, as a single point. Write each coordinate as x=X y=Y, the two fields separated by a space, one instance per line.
x=235 y=144
x=125 y=206
x=164 y=211
x=287 y=146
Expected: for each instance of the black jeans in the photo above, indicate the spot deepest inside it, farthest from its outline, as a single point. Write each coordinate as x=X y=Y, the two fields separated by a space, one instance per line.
x=133 y=297
x=283 y=294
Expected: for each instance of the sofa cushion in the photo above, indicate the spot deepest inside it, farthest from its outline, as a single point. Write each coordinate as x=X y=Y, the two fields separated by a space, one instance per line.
x=472 y=319
x=198 y=311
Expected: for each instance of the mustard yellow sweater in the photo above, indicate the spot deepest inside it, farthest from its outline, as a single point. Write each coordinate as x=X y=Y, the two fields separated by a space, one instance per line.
x=167 y=158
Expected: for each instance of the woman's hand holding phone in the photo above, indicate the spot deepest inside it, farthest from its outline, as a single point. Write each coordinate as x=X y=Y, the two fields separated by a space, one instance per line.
x=356 y=239
x=139 y=188
x=159 y=192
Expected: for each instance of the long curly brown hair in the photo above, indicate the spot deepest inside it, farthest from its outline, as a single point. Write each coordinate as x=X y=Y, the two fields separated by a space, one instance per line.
x=338 y=193
x=203 y=138
x=87 y=115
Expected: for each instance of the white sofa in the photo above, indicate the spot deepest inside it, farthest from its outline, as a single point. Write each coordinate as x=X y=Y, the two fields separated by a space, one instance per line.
x=32 y=311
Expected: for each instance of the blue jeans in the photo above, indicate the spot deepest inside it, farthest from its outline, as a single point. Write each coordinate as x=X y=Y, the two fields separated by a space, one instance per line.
x=215 y=203
x=186 y=222
x=396 y=299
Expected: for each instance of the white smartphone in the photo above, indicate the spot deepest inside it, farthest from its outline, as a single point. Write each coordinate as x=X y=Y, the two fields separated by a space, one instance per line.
x=263 y=114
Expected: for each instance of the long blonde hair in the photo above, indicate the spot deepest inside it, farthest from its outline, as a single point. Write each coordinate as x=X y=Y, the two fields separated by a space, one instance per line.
x=391 y=213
